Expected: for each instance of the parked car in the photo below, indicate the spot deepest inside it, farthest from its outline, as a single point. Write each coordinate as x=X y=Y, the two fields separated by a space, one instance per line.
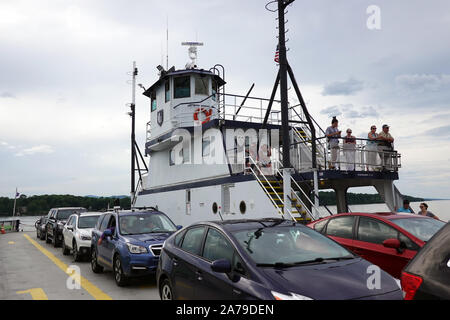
x=56 y=219
x=77 y=234
x=263 y=259
x=388 y=240
x=427 y=276
x=129 y=242
x=40 y=226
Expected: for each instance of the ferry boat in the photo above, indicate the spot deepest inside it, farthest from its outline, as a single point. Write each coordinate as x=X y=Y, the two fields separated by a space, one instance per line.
x=214 y=155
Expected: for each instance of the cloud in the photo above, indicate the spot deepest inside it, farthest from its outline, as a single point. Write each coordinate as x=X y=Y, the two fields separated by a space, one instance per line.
x=331 y=111
x=7 y=94
x=345 y=88
x=423 y=82
x=442 y=132
x=43 y=148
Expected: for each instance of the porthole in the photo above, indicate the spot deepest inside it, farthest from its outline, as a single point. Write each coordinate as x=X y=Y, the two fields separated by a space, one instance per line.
x=242 y=207
x=214 y=208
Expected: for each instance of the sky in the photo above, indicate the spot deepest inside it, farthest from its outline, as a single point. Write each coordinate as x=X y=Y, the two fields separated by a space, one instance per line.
x=65 y=70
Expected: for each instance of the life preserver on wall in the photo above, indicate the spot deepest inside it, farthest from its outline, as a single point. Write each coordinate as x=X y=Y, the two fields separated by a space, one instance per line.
x=207 y=113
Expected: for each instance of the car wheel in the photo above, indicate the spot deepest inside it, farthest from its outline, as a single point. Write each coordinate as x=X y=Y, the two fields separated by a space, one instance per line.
x=37 y=234
x=76 y=253
x=42 y=235
x=94 y=265
x=165 y=290
x=121 y=279
x=47 y=239
x=65 y=250
x=54 y=239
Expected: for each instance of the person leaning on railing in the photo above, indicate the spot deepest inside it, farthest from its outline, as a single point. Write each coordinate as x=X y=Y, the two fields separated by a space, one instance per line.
x=372 y=149
x=385 y=147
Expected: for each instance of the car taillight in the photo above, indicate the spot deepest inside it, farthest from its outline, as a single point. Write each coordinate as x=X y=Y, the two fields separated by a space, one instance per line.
x=410 y=283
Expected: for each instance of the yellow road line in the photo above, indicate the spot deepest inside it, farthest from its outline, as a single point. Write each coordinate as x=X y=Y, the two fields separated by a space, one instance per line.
x=36 y=293
x=86 y=284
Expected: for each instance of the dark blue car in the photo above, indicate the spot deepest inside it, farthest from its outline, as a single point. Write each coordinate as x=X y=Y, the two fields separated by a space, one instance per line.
x=265 y=259
x=129 y=242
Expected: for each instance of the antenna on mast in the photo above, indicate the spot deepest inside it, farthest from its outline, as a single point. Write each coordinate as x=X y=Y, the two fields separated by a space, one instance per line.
x=167 y=42
x=192 y=51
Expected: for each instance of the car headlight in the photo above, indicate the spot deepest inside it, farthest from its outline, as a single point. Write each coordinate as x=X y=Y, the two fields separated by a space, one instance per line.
x=290 y=296
x=136 y=249
x=84 y=237
x=60 y=225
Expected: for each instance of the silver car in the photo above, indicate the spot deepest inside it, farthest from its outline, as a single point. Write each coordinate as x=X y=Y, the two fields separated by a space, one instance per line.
x=77 y=234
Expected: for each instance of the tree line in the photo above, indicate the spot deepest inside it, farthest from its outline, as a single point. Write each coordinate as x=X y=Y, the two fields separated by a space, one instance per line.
x=40 y=205
x=329 y=198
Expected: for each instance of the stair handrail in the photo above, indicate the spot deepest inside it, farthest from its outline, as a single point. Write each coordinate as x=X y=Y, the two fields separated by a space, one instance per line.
x=265 y=190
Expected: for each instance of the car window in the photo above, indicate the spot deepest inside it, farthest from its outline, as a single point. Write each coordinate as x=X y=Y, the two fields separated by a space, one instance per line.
x=105 y=221
x=341 y=227
x=86 y=222
x=217 y=247
x=178 y=238
x=408 y=243
x=99 y=222
x=192 y=241
x=238 y=265
x=319 y=225
x=422 y=228
x=371 y=230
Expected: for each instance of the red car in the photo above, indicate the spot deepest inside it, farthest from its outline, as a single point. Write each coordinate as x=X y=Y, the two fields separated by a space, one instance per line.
x=388 y=240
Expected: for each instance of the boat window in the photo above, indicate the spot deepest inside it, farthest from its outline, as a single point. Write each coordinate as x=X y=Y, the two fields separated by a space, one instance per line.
x=153 y=101
x=214 y=89
x=182 y=87
x=192 y=241
x=206 y=146
x=373 y=231
x=217 y=247
x=201 y=85
x=341 y=227
x=167 y=90
x=183 y=154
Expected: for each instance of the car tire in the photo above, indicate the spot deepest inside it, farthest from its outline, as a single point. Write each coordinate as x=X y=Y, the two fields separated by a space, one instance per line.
x=165 y=290
x=96 y=268
x=76 y=253
x=65 y=250
x=47 y=239
x=119 y=276
x=42 y=235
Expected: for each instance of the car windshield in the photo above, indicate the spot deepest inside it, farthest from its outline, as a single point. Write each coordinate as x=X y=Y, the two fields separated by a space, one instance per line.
x=87 y=222
x=422 y=228
x=148 y=223
x=66 y=213
x=289 y=245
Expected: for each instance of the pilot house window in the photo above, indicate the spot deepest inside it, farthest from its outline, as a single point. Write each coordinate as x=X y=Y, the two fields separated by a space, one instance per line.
x=153 y=101
x=182 y=87
x=167 y=90
x=201 y=86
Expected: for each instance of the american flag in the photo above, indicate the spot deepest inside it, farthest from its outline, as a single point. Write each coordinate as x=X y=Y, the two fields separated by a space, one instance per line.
x=277 y=55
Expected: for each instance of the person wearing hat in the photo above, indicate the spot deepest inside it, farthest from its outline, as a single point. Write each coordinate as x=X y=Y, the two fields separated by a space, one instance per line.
x=372 y=149
x=406 y=208
x=385 y=147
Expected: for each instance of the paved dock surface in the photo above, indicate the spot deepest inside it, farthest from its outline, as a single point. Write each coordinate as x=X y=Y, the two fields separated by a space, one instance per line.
x=32 y=269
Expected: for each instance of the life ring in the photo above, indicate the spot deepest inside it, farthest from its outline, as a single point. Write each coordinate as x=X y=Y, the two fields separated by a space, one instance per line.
x=207 y=113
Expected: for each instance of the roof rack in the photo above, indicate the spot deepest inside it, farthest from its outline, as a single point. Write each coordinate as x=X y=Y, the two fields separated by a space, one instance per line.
x=144 y=208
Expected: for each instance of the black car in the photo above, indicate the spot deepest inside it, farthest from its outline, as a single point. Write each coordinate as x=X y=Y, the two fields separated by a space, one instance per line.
x=40 y=226
x=427 y=276
x=265 y=259
x=56 y=219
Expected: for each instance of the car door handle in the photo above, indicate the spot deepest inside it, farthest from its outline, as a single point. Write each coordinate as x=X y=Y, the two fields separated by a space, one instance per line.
x=175 y=262
x=199 y=275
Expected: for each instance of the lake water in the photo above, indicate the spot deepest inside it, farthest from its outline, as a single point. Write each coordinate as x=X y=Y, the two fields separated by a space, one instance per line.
x=438 y=207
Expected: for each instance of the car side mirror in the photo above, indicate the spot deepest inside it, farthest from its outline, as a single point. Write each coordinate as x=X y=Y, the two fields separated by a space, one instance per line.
x=107 y=233
x=179 y=227
x=221 y=266
x=70 y=228
x=394 y=244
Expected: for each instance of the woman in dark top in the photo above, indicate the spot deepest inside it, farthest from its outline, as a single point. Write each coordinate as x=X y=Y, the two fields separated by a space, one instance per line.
x=424 y=211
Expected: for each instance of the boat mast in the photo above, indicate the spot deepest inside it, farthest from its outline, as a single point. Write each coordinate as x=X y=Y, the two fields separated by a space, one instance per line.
x=133 y=136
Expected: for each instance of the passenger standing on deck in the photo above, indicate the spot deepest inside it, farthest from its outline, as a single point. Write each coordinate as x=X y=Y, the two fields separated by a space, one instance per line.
x=372 y=149
x=349 y=148
x=333 y=134
x=424 y=211
x=385 y=147
x=406 y=208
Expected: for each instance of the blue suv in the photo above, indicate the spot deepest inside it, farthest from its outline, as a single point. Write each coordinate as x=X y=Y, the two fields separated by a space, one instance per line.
x=129 y=242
